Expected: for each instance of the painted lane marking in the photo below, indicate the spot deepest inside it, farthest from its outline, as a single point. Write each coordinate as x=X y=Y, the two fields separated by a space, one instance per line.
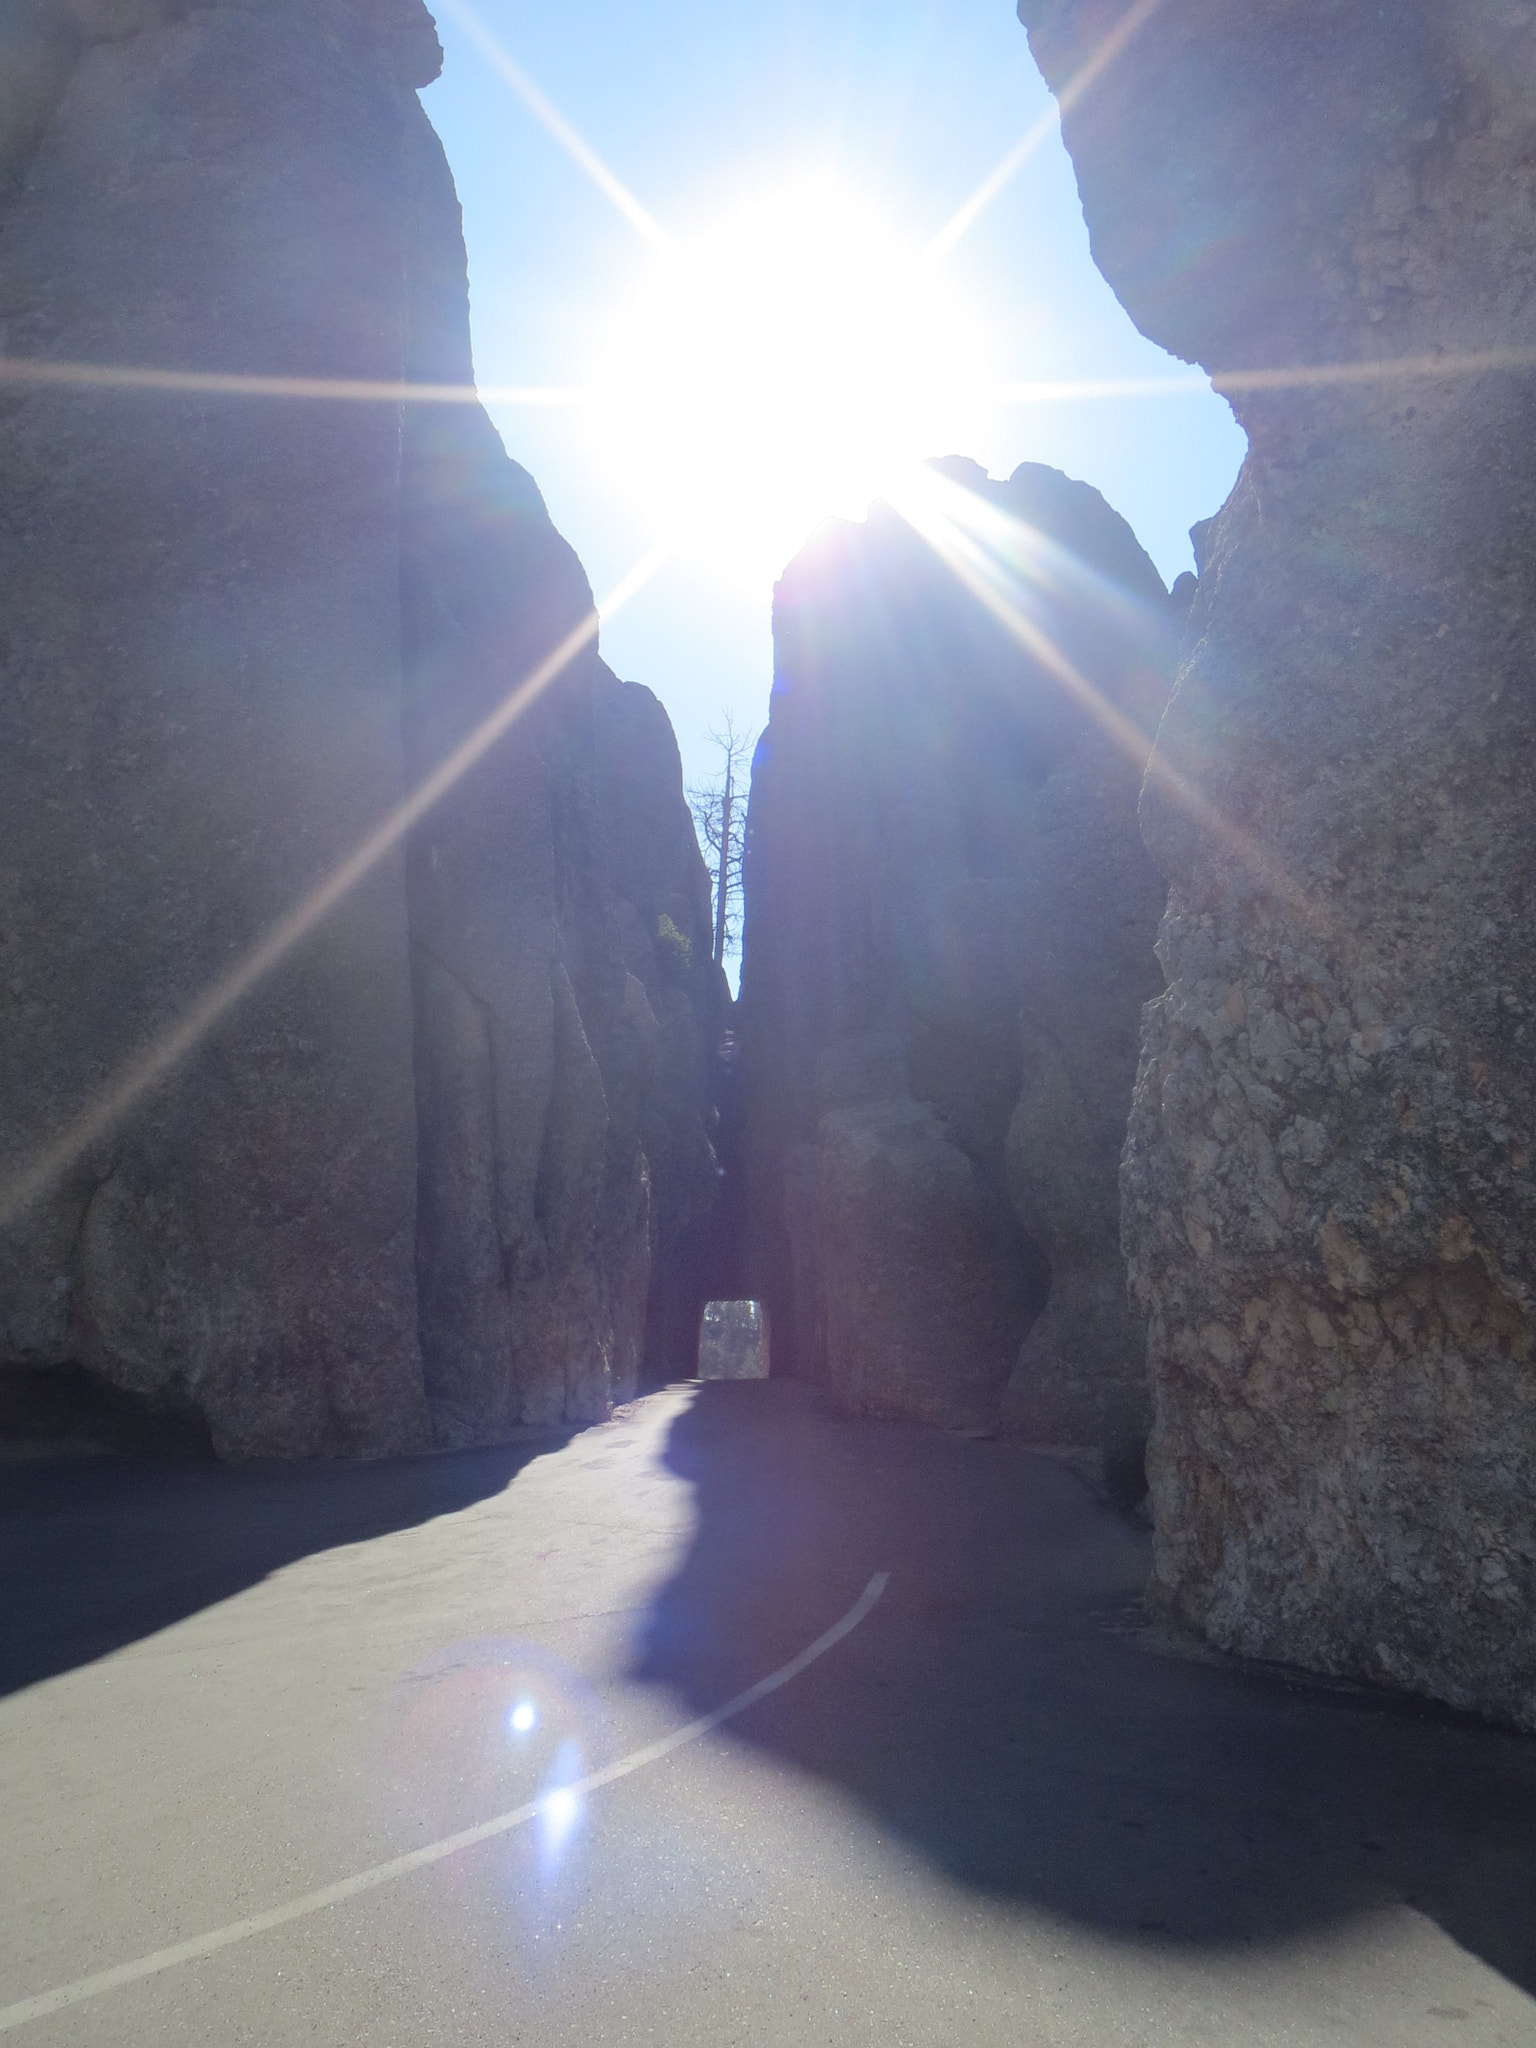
x=203 y=1945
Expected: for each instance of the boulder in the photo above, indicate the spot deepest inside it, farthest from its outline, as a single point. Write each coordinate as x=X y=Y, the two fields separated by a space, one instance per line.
x=922 y=1288
x=385 y=1200
x=948 y=940
x=1330 y=1205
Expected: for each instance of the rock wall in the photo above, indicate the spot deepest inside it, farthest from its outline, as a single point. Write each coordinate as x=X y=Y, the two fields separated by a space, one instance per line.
x=417 y=1187
x=1330 y=1210
x=560 y=915
x=948 y=939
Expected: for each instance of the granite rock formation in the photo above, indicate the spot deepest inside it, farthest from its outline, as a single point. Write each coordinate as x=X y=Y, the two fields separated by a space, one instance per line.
x=1330 y=1206
x=948 y=940
x=417 y=1186
x=658 y=1034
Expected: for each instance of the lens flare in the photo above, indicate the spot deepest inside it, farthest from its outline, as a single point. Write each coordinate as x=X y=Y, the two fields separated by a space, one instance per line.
x=524 y=1718
x=561 y=1805
x=788 y=363
x=965 y=216
x=998 y=559
x=24 y=1182
x=569 y=137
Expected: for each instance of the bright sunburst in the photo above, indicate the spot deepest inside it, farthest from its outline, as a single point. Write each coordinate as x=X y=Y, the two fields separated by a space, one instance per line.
x=789 y=362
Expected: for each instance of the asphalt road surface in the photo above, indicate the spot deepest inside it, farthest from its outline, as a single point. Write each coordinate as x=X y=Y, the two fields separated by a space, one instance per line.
x=246 y=1714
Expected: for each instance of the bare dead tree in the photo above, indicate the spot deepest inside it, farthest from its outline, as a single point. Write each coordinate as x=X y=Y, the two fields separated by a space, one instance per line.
x=720 y=812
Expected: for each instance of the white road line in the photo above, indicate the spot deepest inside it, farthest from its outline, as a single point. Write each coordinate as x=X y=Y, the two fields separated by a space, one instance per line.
x=202 y=1945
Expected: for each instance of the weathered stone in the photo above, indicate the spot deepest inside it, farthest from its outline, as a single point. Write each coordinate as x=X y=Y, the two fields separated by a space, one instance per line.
x=1094 y=901
x=201 y=717
x=1090 y=903
x=527 y=1215
x=942 y=841
x=923 y=1288
x=657 y=1055
x=1330 y=1210
x=407 y=1191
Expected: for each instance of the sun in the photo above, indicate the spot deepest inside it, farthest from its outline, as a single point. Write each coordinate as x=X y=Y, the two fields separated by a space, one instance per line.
x=790 y=361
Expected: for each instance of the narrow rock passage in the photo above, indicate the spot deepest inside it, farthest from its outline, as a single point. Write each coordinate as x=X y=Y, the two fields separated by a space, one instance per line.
x=996 y=1810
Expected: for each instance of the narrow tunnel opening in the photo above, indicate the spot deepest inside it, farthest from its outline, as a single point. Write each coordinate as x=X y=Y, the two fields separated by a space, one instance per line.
x=733 y=1343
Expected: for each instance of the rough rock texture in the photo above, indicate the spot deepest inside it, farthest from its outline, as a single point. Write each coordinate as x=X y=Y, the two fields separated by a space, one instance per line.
x=1330 y=1209
x=405 y=1192
x=1088 y=967
x=657 y=1036
x=948 y=940
x=559 y=918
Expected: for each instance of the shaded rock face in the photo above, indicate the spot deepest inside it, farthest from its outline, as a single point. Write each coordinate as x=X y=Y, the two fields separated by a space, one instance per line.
x=1088 y=967
x=560 y=925
x=416 y=1187
x=948 y=940
x=1330 y=1211
x=657 y=1029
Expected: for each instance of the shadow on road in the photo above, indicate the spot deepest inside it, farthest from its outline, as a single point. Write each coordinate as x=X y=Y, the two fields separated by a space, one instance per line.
x=1007 y=1708
x=96 y=1552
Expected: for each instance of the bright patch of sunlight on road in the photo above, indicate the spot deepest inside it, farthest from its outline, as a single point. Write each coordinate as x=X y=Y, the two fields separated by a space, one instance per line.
x=792 y=360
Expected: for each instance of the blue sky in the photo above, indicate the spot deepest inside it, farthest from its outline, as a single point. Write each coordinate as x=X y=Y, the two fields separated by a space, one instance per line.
x=696 y=106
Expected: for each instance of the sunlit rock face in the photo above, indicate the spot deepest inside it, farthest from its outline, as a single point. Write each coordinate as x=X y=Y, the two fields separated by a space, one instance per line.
x=654 y=1002
x=1330 y=1212
x=948 y=940
x=408 y=1190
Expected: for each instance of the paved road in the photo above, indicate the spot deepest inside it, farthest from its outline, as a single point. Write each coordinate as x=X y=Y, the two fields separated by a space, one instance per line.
x=997 y=1810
